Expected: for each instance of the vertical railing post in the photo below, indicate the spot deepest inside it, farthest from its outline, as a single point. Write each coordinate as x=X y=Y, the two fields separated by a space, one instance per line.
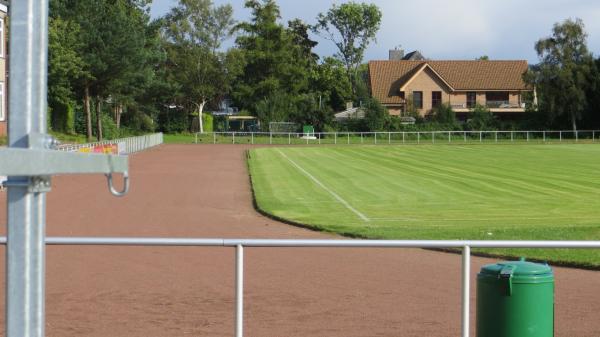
x=214 y=138
x=403 y=137
x=389 y=138
x=560 y=136
x=348 y=134
x=289 y=138
x=375 y=138
x=528 y=136
x=270 y=138
x=361 y=138
x=576 y=136
x=196 y=138
x=418 y=137
x=465 y=135
x=26 y=216
x=466 y=290
x=449 y=137
x=239 y=291
x=593 y=136
x=544 y=136
x=335 y=138
x=480 y=136
x=233 y=137
x=432 y=137
x=496 y=136
x=252 y=138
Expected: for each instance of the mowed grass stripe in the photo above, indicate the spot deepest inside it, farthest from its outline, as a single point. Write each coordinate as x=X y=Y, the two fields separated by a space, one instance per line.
x=441 y=192
x=335 y=195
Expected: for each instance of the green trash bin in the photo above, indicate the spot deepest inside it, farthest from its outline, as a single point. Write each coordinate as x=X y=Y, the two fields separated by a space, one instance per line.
x=515 y=299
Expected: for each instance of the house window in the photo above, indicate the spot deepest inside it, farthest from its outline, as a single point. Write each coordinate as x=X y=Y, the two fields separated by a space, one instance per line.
x=496 y=99
x=2 y=108
x=471 y=99
x=436 y=99
x=418 y=99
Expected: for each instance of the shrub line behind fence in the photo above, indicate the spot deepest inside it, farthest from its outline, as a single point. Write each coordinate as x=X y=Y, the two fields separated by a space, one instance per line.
x=399 y=137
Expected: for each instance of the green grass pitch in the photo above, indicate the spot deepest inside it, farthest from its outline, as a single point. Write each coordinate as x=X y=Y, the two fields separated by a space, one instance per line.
x=521 y=192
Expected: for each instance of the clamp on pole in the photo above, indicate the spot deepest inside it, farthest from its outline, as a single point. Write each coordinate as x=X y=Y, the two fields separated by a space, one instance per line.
x=111 y=187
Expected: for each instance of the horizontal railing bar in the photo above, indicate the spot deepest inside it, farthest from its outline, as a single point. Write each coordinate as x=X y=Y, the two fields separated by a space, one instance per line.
x=144 y=241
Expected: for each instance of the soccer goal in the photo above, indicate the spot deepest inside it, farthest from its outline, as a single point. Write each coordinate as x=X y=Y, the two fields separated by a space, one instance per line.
x=283 y=127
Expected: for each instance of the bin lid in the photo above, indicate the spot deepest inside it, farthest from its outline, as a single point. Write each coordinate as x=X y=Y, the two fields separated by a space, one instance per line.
x=522 y=270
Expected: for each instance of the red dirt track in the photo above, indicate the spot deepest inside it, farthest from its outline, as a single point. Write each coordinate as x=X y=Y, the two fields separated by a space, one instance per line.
x=204 y=191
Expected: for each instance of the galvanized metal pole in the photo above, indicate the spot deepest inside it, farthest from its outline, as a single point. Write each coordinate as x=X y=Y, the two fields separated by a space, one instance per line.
x=466 y=289
x=26 y=230
x=239 y=291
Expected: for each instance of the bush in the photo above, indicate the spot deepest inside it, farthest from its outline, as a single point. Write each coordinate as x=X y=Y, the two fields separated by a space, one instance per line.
x=481 y=119
x=376 y=115
x=444 y=114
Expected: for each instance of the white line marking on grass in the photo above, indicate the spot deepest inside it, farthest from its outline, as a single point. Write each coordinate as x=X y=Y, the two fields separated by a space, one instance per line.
x=337 y=197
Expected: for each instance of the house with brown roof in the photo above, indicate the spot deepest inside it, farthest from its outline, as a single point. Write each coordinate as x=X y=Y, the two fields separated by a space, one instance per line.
x=426 y=84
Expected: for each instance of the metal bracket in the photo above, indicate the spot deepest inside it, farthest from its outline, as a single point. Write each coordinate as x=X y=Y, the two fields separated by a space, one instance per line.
x=111 y=187
x=39 y=184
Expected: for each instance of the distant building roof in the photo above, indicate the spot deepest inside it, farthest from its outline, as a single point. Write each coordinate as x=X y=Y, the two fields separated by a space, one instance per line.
x=414 y=56
x=388 y=77
x=352 y=113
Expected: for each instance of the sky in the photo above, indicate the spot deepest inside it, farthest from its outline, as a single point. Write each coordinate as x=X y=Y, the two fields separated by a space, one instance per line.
x=446 y=30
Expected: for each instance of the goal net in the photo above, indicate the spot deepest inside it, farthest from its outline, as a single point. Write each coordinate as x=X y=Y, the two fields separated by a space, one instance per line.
x=284 y=127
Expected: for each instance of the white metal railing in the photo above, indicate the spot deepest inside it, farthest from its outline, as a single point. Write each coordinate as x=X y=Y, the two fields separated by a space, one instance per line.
x=240 y=244
x=125 y=145
x=400 y=137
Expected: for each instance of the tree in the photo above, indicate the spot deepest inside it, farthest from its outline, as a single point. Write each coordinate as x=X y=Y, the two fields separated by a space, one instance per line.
x=65 y=67
x=483 y=58
x=351 y=27
x=194 y=31
x=565 y=71
x=444 y=114
x=375 y=115
x=274 y=64
x=481 y=119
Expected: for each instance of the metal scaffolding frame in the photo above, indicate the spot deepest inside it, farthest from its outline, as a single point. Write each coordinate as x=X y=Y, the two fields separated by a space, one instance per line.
x=29 y=163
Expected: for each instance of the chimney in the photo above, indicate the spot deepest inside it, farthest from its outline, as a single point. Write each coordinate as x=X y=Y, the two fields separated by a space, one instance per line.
x=396 y=54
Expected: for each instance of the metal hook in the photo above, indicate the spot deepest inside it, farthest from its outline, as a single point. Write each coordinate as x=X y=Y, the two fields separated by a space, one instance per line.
x=111 y=188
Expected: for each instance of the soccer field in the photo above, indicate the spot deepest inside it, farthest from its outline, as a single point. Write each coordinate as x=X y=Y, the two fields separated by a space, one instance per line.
x=439 y=192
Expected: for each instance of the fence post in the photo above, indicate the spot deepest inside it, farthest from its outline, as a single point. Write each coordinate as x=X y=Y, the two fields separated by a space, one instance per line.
x=418 y=137
x=239 y=291
x=214 y=138
x=544 y=136
x=593 y=136
x=389 y=138
x=306 y=135
x=26 y=216
x=335 y=138
x=348 y=138
x=270 y=138
x=252 y=138
x=480 y=136
x=560 y=135
x=375 y=138
x=361 y=137
x=233 y=137
x=496 y=136
x=576 y=136
x=449 y=137
x=433 y=137
x=465 y=134
x=466 y=287
x=196 y=138
x=289 y=138
x=403 y=133
x=528 y=136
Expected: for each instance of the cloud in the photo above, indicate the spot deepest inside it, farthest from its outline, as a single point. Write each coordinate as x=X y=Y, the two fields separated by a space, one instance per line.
x=457 y=29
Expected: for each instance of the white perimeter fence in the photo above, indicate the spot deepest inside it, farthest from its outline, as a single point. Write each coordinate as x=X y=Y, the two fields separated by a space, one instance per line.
x=405 y=137
x=125 y=145
x=240 y=244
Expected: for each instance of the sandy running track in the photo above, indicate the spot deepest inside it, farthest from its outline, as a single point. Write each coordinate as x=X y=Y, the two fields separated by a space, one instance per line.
x=203 y=191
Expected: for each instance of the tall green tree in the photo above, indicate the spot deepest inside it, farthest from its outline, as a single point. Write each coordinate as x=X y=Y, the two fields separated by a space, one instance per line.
x=565 y=72
x=65 y=67
x=274 y=64
x=351 y=27
x=194 y=31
